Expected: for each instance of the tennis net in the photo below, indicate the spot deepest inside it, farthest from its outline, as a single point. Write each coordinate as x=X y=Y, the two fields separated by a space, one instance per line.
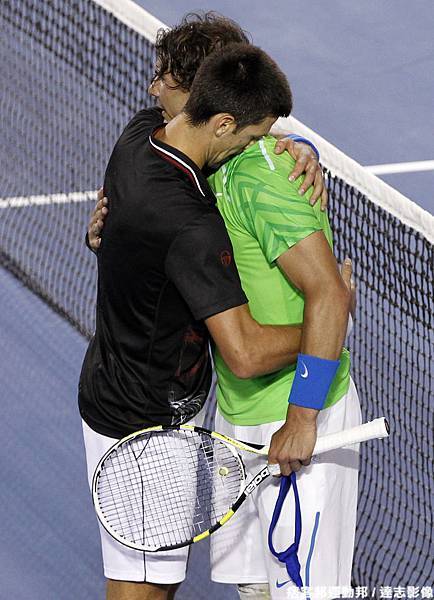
x=74 y=72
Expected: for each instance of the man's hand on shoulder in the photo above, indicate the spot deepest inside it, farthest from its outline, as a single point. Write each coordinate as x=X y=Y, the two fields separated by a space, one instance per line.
x=96 y=222
x=306 y=163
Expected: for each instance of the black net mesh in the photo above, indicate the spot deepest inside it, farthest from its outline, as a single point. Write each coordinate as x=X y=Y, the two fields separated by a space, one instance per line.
x=72 y=75
x=391 y=349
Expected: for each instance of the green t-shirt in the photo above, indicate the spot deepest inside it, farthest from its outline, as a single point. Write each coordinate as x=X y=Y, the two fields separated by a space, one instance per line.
x=265 y=216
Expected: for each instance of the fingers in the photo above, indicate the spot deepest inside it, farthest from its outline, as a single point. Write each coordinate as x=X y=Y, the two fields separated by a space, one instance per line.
x=96 y=222
x=319 y=190
x=306 y=164
x=301 y=166
x=97 y=219
x=347 y=274
x=292 y=467
x=324 y=199
x=95 y=242
x=318 y=187
x=285 y=469
x=287 y=466
x=347 y=271
x=291 y=447
x=97 y=226
x=100 y=213
x=101 y=205
x=309 y=179
x=282 y=145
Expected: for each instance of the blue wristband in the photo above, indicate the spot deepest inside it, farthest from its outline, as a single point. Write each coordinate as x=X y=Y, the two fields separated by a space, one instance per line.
x=298 y=138
x=312 y=381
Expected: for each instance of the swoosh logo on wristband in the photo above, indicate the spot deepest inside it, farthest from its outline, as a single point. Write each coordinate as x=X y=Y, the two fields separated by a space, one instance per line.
x=305 y=373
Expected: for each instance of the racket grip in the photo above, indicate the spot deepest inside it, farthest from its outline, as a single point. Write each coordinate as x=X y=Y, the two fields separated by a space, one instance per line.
x=376 y=429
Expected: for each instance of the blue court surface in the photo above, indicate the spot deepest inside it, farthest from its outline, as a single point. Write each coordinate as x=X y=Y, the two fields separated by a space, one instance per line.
x=50 y=541
x=361 y=73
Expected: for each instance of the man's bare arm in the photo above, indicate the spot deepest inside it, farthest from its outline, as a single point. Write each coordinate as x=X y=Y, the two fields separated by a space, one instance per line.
x=250 y=349
x=311 y=267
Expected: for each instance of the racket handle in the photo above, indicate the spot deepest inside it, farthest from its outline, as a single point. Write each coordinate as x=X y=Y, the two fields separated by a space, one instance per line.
x=376 y=429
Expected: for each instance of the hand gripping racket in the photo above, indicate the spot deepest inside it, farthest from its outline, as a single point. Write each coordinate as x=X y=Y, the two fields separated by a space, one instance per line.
x=166 y=487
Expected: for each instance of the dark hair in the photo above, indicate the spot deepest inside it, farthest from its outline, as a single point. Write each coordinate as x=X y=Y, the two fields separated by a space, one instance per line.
x=241 y=80
x=181 y=50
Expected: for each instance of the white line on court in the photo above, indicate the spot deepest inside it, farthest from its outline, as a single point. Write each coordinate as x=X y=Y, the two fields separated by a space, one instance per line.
x=403 y=167
x=19 y=201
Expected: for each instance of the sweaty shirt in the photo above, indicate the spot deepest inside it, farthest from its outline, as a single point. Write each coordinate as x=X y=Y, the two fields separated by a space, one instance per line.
x=265 y=216
x=164 y=265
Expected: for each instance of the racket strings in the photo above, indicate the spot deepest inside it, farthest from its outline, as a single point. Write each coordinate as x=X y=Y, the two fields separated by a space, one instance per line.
x=163 y=488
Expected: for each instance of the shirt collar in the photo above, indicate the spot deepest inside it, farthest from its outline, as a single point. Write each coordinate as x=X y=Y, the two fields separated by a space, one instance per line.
x=184 y=164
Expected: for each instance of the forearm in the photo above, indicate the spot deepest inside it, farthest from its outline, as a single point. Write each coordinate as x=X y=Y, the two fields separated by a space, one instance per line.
x=325 y=323
x=324 y=329
x=250 y=349
x=268 y=348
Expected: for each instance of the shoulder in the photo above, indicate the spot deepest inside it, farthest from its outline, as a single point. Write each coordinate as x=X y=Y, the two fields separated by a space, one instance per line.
x=257 y=171
x=204 y=235
x=200 y=263
x=203 y=227
x=143 y=123
x=148 y=117
x=261 y=157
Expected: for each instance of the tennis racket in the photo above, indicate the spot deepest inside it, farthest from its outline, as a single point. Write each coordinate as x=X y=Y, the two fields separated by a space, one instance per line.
x=166 y=487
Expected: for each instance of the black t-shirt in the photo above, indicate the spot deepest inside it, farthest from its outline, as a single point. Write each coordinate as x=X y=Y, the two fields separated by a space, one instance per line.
x=164 y=265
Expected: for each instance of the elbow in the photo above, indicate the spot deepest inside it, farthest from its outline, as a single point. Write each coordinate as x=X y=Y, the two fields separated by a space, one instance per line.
x=242 y=366
x=336 y=294
x=246 y=373
x=333 y=297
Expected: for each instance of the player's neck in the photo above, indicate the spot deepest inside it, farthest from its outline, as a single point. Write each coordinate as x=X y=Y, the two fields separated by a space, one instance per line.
x=189 y=140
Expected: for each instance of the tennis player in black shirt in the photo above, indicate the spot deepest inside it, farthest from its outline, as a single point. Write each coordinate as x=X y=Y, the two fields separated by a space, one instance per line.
x=166 y=279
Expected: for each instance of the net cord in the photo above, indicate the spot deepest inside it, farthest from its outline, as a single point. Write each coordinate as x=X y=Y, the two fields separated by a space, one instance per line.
x=134 y=16
x=354 y=174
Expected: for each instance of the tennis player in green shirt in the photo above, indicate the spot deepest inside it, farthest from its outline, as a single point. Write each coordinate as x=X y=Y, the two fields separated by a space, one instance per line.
x=283 y=250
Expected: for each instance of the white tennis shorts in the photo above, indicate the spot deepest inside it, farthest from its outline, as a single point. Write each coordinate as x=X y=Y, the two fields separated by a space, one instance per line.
x=122 y=563
x=328 y=497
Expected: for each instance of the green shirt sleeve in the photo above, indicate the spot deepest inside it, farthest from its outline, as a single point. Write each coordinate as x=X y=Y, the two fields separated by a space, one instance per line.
x=270 y=206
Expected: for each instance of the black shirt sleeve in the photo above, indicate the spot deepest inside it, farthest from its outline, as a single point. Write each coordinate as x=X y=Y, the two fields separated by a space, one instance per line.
x=200 y=263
